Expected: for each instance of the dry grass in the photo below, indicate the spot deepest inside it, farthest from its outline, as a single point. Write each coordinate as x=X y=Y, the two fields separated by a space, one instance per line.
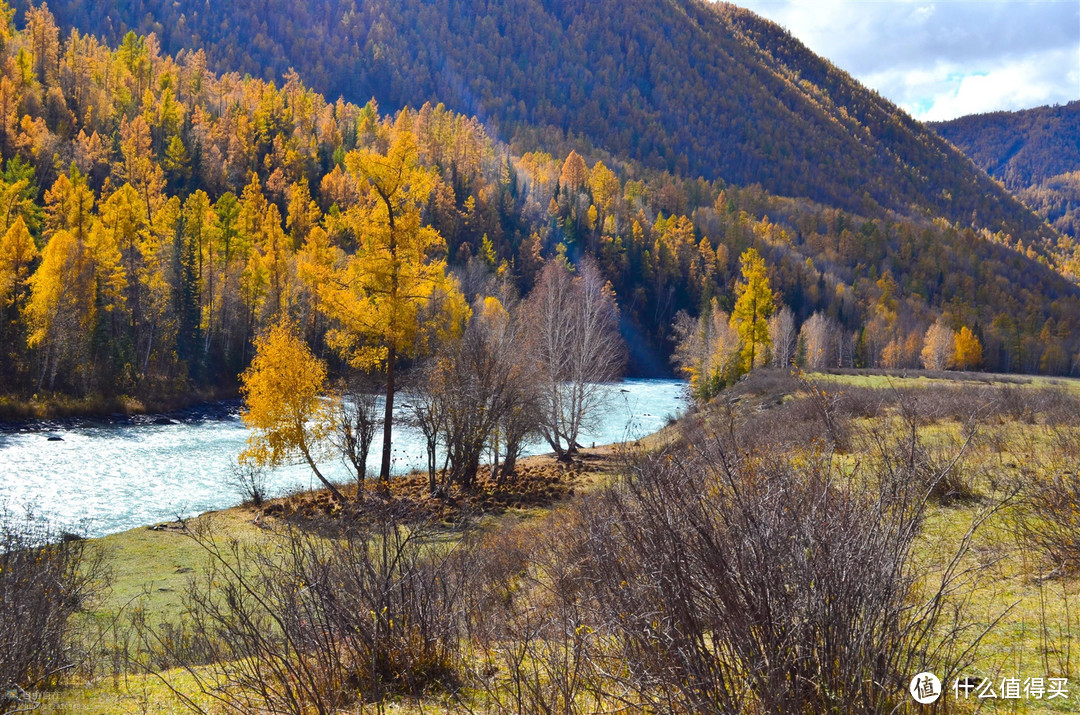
x=1029 y=610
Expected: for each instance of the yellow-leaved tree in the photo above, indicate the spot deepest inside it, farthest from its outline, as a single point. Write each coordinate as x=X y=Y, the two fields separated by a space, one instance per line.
x=968 y=350
x=754 y=303
x=392 y=297
x=61 y=310
x=284 y=404
x=17 y=253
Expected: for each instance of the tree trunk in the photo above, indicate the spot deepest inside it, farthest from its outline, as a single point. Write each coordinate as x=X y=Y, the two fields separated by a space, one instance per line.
x=433 y=488
x=326 y=483
x=388 y=417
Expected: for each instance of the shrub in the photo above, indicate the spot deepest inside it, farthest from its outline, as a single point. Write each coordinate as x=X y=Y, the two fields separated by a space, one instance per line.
x=315 y=623
x=45 y=579
x=1049 y=515
x=724 y=579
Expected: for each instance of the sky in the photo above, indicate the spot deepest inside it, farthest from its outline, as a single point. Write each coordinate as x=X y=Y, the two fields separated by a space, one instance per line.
x=941 y=60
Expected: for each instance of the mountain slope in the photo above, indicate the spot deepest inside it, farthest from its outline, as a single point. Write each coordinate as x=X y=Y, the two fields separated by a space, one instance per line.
x=1022 y=148
x=160 y=216
x=1034 y=152
x=681 y=85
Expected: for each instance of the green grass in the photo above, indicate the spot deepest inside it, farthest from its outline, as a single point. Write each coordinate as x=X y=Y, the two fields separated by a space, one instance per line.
x=920 y=379
x=153 y=567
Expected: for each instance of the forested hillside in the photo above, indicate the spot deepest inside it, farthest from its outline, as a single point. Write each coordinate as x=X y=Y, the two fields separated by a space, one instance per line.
x=1034 y=152
x=158 y=216
x=687 y=86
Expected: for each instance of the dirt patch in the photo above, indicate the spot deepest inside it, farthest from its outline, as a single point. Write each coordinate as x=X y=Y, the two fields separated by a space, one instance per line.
x=540 y=481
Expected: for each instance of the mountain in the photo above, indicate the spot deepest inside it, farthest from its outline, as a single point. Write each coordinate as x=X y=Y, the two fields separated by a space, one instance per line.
x=686 y=86
x=1034 y=152
x=160 y=215
x=1023 y=148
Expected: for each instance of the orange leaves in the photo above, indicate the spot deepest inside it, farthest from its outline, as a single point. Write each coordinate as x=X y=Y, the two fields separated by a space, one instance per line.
x=968 y=350
x=17 y=252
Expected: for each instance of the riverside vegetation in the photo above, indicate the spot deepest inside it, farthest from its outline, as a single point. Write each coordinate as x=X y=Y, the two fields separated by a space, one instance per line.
x=699 y=571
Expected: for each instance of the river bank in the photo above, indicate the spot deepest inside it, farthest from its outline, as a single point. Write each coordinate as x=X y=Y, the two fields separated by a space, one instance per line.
x=19 y=413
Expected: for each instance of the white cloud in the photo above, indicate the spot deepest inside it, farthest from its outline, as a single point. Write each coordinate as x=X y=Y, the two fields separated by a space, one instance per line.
x=944 y=59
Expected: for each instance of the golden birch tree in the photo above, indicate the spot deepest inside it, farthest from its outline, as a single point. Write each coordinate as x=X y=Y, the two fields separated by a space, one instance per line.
x=284 y=405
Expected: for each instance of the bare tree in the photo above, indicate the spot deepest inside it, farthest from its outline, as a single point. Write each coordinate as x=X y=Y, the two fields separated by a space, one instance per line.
x=427 y=412
x=575 y=344
x=355 y=421
x=478 y=394
x=939 y=347
x=784 y=337
x=821 y=335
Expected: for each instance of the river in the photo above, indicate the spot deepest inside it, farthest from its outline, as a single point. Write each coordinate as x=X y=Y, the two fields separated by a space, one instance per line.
x=96 y=478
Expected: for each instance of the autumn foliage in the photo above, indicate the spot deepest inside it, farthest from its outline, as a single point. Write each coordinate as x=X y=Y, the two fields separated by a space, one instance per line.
x=175 y=214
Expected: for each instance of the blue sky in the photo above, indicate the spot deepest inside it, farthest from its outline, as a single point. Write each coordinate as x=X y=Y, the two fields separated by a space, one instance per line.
x=944 y=59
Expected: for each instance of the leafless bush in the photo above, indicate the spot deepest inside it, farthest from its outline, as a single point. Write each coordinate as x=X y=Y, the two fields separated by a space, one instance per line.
x=1051 y=520
x=536 y=645
x=1049 y=516
x=725 y=580
x=777 y=409
x=355 y=419
x=46 y=578
x=312 y=623
x=250 y=480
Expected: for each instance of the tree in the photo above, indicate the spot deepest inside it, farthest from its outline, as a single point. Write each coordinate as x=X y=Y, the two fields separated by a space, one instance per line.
x=284 y=405
x=355 y=421
x=575 y=345
x=819 y=335
x=17 y=253
x=968 y=353
x=61 y=309
x=939 y=347
x=393 y=294
x=784 y=337
x=754 y=304
x=481 y=392
x=574 y=172
x=707 y=351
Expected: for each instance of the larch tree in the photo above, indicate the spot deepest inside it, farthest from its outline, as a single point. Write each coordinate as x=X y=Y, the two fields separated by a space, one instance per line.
x=17 y=253
x=61 y=310
x=283 y=403
x=393 y=296
x=574 y=172
x=968 y=350
x=754 y=303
